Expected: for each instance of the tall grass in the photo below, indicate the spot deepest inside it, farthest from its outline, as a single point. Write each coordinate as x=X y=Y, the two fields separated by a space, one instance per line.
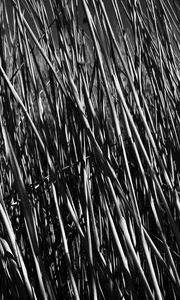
x=90 y=146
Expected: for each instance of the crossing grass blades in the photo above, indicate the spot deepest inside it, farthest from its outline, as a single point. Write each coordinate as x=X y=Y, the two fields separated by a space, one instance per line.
x=90 y=149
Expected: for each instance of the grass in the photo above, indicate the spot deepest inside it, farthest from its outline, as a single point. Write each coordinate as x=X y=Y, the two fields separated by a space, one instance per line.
x=90 y=145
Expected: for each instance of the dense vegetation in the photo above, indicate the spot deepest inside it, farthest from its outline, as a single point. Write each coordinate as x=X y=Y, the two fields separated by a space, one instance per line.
x=90 y=150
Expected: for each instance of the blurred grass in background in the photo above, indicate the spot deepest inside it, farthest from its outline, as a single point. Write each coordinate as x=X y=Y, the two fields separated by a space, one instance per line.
x=90 y=150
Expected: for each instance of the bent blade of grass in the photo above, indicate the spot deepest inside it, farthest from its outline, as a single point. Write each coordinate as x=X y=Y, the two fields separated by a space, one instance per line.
x=11 y=271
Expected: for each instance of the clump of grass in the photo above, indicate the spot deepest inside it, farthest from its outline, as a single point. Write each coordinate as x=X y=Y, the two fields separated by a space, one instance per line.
x=90 y=144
